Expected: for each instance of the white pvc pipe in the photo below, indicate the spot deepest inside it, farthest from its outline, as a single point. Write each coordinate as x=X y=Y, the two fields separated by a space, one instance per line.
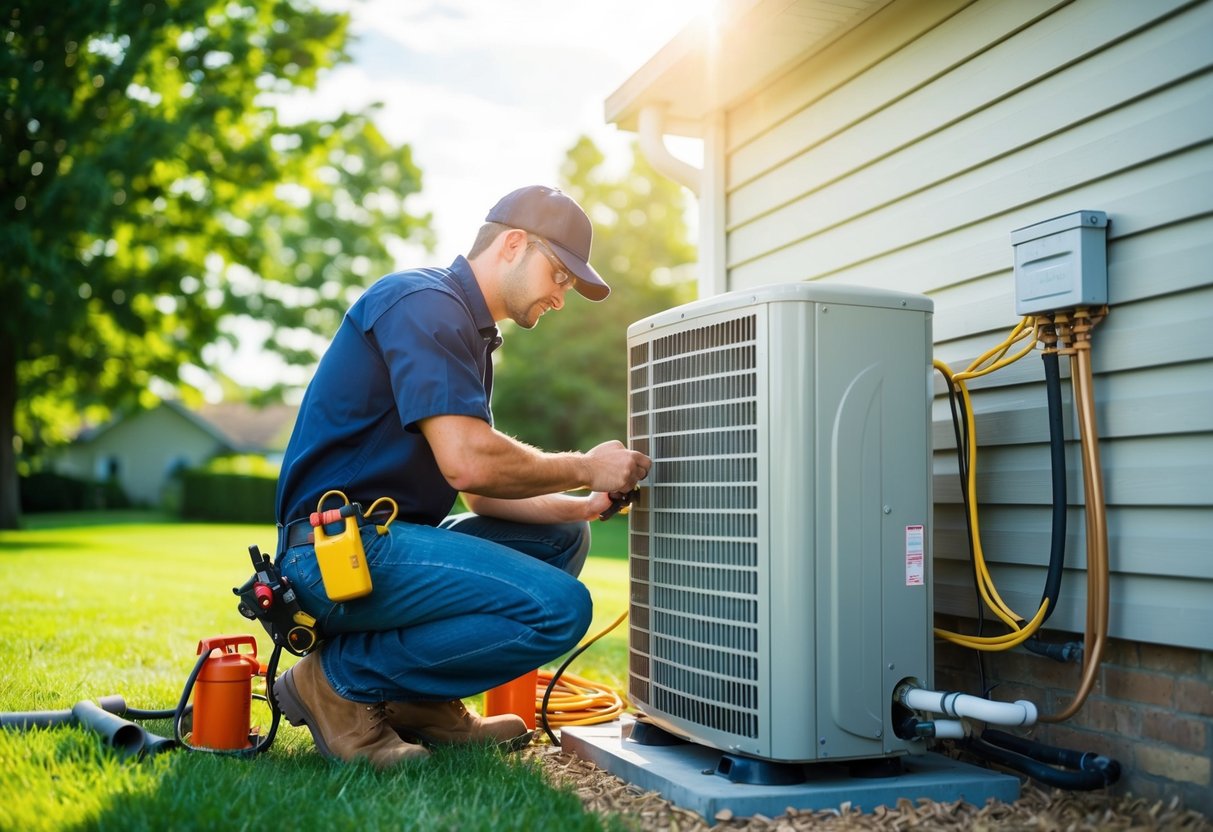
x=1020 y=712
x=949 y=729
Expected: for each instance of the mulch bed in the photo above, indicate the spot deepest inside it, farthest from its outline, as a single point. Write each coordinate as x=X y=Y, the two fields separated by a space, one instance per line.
x=1039 y=809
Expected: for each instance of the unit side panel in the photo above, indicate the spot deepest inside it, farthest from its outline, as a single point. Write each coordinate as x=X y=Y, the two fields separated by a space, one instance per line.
x=849 y=615
x=872 y=485
x=908 y=525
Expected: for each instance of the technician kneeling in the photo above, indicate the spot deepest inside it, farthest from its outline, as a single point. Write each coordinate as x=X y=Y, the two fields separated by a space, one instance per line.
x=399 y=408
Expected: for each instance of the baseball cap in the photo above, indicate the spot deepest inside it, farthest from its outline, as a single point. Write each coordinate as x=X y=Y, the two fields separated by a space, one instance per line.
x=557 y=218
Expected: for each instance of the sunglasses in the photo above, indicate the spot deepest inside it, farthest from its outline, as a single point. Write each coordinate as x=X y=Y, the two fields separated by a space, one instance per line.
x=560 y=275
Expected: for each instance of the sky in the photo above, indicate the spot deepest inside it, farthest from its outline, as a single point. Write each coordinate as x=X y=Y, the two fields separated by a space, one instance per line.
x=490 y=95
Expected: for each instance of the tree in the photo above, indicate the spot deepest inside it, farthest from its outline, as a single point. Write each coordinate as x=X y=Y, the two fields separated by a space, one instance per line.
x=148 y=191
x=563 y=385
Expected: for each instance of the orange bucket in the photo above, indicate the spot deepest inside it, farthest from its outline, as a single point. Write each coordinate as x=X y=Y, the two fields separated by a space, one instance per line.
x=516 y=696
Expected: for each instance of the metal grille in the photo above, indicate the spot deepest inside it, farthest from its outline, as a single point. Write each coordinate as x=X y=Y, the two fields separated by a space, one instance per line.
x=694 y=532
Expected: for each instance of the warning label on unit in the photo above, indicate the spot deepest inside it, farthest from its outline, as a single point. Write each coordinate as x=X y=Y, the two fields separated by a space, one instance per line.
x=914 y=555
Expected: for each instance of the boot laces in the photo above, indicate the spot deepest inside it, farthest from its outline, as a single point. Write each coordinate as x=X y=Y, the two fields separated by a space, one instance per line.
x=377 y=712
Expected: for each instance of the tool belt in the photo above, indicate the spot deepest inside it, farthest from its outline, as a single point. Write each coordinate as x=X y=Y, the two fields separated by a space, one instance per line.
x=300 y=532
x=268 y=596
x=295 y=533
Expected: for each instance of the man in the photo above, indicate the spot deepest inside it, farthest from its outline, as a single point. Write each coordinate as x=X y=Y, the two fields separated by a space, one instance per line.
x=399 y=407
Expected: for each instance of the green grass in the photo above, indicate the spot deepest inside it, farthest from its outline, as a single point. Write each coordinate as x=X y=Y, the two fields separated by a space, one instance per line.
x=102 y=604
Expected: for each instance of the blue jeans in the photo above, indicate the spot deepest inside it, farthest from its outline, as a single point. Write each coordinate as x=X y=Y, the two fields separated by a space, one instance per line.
x=453 y=611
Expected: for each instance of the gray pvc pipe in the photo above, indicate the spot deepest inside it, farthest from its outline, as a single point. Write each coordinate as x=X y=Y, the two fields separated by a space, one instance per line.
x=25 y=720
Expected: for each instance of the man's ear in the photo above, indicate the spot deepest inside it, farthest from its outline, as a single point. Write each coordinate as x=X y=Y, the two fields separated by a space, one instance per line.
x=513 y=244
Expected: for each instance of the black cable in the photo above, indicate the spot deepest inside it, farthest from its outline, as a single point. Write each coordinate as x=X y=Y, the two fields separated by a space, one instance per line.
x=547 y=692
x=178 y=713
x=271 y=673
x=1053 y=755
x=1057 y=448
x=163 y=713
x=1084 y=771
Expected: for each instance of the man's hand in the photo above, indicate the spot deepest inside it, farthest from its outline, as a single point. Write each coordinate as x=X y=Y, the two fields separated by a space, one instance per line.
x=612 y=467
x=619 y=503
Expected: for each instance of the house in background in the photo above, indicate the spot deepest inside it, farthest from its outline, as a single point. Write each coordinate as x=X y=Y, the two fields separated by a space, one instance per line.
x=897 y=144
x=142 y=451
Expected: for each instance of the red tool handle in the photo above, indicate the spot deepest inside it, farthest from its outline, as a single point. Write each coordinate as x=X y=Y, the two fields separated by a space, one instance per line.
x=227 y=644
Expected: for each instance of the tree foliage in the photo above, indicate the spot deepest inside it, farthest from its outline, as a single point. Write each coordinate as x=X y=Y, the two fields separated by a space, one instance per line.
x=563 y=385
x=148 y=190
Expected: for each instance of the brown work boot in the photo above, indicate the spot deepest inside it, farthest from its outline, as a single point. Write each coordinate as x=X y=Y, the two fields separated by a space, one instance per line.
x=451 y=723
x=341 y=728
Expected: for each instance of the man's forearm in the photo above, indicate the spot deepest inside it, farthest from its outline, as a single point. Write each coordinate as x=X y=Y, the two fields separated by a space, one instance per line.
x=476 y=458
x=548 y=508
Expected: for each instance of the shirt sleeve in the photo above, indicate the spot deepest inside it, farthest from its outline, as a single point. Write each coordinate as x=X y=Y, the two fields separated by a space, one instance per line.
x=434 y=356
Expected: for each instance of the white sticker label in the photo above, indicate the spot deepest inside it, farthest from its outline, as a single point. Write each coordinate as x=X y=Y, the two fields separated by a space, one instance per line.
x=914 y=555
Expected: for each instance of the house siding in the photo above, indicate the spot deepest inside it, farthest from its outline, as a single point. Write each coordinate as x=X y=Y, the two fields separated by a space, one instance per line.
x=147 y=448
x=905 y=153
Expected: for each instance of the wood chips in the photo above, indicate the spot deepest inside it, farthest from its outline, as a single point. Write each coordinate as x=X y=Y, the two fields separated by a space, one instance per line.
x=1038 y=809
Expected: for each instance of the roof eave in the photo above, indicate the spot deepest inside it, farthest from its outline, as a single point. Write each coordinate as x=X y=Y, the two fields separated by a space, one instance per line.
x=757 y=40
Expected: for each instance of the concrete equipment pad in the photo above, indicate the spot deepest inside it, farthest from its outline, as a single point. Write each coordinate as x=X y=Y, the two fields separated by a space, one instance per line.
x=685 y=774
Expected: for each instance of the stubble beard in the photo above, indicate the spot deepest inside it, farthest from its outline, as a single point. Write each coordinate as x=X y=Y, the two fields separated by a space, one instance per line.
x=520 y=309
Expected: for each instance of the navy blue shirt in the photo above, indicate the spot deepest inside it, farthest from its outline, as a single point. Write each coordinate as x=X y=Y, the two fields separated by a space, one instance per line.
x=416 y=344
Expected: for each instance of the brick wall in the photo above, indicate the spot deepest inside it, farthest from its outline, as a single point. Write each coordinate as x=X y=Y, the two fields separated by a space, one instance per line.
x=1151 y=708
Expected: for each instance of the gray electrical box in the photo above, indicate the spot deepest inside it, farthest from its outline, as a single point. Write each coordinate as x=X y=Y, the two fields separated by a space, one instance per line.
x=1061 y=263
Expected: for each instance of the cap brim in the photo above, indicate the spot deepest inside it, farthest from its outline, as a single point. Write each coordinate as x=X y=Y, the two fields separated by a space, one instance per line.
x=589 y=283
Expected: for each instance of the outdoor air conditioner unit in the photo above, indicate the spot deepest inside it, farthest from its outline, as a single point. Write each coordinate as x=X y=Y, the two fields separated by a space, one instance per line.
x=779 y=552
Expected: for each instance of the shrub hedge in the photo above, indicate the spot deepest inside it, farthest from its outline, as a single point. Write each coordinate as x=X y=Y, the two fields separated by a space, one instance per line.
x=48 y=491
x=230 y=498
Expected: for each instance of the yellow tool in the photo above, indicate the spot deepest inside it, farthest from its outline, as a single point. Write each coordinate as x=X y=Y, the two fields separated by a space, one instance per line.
x=340 y=555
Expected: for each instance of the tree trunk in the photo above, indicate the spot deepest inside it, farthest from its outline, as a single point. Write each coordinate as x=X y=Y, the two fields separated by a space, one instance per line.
x=10 y=500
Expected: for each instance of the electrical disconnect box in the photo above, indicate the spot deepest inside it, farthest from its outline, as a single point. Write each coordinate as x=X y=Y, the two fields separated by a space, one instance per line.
x=1061 y=263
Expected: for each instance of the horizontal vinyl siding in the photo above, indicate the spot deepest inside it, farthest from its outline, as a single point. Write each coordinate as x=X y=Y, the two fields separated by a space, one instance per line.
x=903 y=157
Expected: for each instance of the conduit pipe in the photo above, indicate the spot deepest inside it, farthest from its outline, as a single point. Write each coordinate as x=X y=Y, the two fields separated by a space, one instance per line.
x=652 y=145
x=1020 y=712
x=1095 y=638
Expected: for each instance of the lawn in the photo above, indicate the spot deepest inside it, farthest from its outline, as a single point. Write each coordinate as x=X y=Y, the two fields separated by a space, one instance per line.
x=103 y=604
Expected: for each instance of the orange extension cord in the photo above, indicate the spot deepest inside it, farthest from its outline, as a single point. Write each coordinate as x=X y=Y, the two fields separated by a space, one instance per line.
x=577 y=701
x=574 y=700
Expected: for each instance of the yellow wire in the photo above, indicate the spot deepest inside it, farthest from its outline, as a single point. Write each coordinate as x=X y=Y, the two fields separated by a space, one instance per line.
x=997 y=643
x=997 y=351
x=991 y=360
x=1020 y=332
x=997 y=365
x=989 y=593
x=985 y=583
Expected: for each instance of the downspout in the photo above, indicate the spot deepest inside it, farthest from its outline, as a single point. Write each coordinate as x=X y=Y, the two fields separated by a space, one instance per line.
x=652 y=145
x=707 y=184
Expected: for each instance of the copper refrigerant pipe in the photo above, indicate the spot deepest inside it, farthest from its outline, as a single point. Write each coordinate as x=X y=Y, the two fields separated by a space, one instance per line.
x=1095 y=637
